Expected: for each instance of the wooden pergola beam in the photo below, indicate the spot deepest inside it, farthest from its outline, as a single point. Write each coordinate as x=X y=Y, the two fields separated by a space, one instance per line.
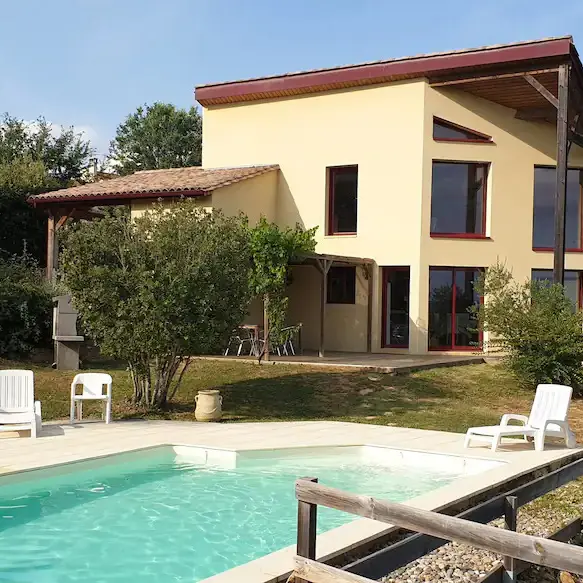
x=542 y=90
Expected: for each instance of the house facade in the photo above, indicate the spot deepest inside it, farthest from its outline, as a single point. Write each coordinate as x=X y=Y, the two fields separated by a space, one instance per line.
x=434 y=177
x=430 y=168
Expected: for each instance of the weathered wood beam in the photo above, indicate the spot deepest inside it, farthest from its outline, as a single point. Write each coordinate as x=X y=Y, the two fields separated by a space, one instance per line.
x=453 y=81
x=308 y=570
x=51 y=247
x=323 y=266
x=533 y=549
x=307 y=518
x=369 y=300
x=561 y=177
x=510 y=520
x=542 y=90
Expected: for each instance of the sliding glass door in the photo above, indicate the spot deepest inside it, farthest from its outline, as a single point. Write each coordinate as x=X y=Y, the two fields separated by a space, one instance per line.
x=396 y=307
x=451 y=295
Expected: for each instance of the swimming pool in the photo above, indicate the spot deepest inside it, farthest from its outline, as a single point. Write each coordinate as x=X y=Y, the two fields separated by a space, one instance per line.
x=186 y=513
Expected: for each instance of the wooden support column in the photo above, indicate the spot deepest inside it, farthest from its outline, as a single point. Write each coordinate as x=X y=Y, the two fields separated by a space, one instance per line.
x=510 y=515
x=307 y=516
x=324 y=267
x=265 y=328
x=370 y=271
x=51 y=247
x=561 y=175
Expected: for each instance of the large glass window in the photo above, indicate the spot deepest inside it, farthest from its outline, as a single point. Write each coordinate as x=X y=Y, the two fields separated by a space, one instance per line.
x=572 y=283
x=341 y=285
x=396 y=307
x=342 y=200
x=458 y=199
x=543 y=231
x=451 y=295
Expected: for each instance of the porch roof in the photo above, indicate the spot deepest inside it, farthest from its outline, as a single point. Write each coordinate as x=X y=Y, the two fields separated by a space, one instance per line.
x=190 y=181
x=315 y=258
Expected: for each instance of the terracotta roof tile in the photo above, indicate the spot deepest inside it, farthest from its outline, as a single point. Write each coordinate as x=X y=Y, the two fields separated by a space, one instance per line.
x=194 y=181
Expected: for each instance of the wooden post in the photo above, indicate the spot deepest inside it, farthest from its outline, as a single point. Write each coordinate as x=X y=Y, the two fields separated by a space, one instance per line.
x=370 y=271
x=561 y=175
x=324 y=267
x=266 y=327
x=51 y=247
x=510 y=513
x=306 y=543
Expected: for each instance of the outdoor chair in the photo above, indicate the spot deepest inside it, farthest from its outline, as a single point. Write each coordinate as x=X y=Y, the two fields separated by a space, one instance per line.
x=548 y=416
x=93 y=384
x=18 y=409
x=240 y=338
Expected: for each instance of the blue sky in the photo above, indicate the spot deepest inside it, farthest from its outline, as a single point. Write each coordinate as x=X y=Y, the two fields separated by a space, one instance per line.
x=91 y=63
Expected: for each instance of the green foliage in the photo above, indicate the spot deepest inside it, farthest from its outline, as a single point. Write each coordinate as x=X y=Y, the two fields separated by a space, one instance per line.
x=158 y=289
x=535 y=327
x=25 y=306
x=158 y=136
x=272 y=249
x=33 y=159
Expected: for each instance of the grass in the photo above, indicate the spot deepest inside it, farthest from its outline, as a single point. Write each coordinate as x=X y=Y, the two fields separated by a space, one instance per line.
x=447 y=399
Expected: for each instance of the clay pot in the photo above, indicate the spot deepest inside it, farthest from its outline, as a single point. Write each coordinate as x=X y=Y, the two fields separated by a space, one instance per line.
x=208 y=405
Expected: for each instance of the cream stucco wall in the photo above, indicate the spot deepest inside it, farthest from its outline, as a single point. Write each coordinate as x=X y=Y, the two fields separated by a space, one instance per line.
x=387 y=131
x=139 y=207
x=381 y=130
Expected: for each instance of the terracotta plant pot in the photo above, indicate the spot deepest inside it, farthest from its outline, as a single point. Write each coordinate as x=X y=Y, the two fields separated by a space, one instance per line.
x=208 y=405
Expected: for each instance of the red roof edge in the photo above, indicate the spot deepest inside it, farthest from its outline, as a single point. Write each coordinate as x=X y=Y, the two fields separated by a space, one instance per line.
x=408 y=67
x=76 y=200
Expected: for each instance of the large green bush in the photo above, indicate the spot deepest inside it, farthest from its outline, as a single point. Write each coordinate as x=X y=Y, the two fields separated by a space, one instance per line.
x=534 y=326
x=25 y=306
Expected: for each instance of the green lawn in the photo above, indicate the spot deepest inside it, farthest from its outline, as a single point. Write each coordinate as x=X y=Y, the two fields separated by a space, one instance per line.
x=449 y=399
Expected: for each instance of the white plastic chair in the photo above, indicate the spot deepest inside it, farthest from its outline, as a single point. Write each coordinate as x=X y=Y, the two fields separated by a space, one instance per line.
x=18 y=409
x=548 y=416
x=92 y=391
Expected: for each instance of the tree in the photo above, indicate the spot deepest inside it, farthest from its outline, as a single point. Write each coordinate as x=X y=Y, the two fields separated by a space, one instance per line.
x=272 y=249
x=33 y=159
x=25 y=306
x=158 y=136
x=534 y=326
x=158 y=289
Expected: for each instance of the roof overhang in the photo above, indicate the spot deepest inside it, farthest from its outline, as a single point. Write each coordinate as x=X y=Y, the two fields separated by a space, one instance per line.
x=542 y=55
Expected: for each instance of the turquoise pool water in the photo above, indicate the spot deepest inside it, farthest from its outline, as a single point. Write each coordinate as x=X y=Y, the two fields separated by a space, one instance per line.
x=156 y=518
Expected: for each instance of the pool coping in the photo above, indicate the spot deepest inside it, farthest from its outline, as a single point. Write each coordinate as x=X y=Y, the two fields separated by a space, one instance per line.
x=519 y=459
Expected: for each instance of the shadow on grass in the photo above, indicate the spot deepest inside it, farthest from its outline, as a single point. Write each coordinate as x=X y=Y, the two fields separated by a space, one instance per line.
x=321 y=395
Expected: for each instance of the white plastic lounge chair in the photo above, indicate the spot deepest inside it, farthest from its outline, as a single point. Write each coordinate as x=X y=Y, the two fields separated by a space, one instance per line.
x=92 y=383
x=548 y=416
x=18 y=409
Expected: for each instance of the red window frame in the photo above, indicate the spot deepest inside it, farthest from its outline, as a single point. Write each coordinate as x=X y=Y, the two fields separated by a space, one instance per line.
x=482 y=235
x=567 y=249
x=579 y=282
x=479 y=139
x=386 y=272
x=453 y=347
x=331 y=171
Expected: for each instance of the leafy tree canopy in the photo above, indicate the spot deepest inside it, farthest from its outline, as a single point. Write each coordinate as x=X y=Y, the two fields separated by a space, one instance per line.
x=158 y=136
x=158 y=289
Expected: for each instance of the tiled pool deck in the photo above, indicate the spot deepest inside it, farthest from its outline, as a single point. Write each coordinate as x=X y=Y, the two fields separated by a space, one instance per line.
x=59 y=444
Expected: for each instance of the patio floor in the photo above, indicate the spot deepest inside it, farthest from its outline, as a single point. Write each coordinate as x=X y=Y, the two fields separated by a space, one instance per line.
x=385 y=363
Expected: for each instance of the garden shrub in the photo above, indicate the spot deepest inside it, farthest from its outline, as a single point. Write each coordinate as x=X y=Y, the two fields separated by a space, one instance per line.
x=535 y=327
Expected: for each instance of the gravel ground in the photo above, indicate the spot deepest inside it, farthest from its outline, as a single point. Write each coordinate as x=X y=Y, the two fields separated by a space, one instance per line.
x=464 y=564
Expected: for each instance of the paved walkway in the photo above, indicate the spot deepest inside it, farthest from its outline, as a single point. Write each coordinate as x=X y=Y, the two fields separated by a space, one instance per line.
x=385 y=363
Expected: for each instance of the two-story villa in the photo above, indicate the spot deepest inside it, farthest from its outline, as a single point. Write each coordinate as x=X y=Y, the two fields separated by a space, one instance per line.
x=419 y=173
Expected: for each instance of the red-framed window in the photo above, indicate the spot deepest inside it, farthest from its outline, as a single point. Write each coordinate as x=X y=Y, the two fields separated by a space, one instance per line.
x=447 y=131
x=395 y=308
x=342 y=200
x=458 y=199
x=452 y=326
x=341 y=287
x=573 y=284
x=543 y=220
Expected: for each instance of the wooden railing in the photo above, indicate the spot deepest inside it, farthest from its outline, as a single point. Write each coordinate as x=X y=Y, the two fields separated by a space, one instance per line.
x=518 y=550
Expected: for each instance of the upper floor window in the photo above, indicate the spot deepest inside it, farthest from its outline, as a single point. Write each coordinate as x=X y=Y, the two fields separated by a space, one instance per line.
x=572 y=283
x=342 y=200
x=543 y=228
x=342 y=285
x=446 y=131
x=458 y=199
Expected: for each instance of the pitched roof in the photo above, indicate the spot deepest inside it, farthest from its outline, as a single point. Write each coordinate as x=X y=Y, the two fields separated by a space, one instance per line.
x=543 y=51
x=191 y=181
